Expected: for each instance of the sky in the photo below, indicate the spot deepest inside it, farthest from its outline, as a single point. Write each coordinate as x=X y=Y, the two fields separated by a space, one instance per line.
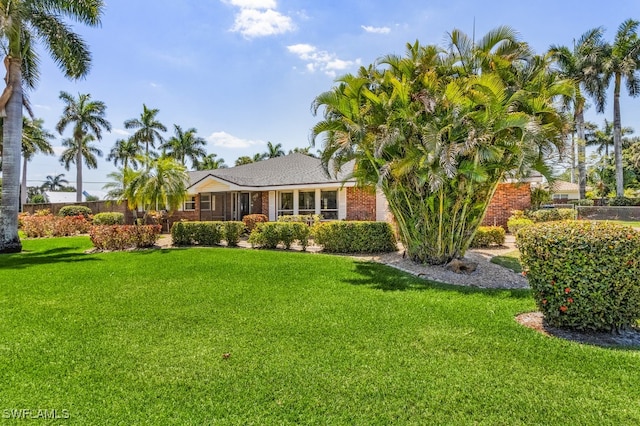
x=245 y=72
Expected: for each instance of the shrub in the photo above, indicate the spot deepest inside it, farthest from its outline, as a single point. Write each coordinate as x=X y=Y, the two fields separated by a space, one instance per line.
x=488 y=236
x=54 y=226
x=197 y=233
x=585 y=202
x=568 y=214
x=251 y=220
x=309 y=219
x=355 y=237
x=75 y=211
x=122 y=237
x=516 y=224
x=108 y=218
x=232 y=232
x=620 y=201
x=584 y=275
x=269 y=235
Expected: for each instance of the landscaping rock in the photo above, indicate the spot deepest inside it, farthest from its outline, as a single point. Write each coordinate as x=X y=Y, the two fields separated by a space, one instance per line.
x=461 y=266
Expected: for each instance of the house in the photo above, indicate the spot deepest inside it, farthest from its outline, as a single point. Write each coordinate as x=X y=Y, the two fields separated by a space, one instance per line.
x=564 y=192
x=295 y=184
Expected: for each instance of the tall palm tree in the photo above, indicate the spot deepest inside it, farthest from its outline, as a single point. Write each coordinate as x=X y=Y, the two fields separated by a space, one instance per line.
x=602 y=138
x=34 y=139
x=125 y=151
x=74 y=154
x=622 y=63
x=88 y=119
x=24 y=24
x=273 y=151
x=210 y=162
x=55 y=182
x=147 y=127
x=245 y=159
x=185 y=144
x=582 y=65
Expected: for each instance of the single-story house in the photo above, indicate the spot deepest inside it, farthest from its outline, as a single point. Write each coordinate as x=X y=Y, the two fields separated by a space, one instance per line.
x=295 y=184
x=563 y=191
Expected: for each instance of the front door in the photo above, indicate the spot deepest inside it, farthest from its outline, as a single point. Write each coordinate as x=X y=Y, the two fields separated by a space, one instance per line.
x=243 y=201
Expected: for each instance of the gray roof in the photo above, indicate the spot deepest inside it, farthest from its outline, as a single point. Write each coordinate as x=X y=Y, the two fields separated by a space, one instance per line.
x=292 y=169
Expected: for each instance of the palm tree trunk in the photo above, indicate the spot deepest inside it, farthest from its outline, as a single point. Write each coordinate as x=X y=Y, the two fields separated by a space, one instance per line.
x=617 y=138
x=12 y=141
x=23 y=184
x=79 y=174
x=582 y=154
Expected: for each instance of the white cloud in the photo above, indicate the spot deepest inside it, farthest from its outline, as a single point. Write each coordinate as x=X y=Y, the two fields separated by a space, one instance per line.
x=121 y=132
x=45 y=107
x=321 y=60
x=259 y=18
x=376 y=30
x=225 y=140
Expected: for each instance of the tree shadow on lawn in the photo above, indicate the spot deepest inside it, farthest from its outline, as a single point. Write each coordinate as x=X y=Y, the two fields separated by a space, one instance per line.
x=54 y=255
x=386 y=278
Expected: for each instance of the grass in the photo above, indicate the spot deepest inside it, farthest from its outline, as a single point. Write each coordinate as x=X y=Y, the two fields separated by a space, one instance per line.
x=139 y=337
x=510 y=260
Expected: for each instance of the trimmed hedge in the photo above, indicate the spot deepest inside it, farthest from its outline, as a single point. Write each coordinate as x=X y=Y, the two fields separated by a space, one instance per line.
x=517 y=223
x=206 y=233
x=108 y=218
x=309 y=219
x=75 y=211
x=549 y=215
x=41 y=226
x=355 y=237
x=584 y=275
x=123 y=237
x=488 y=236
x=251 y=220
x=269 y=235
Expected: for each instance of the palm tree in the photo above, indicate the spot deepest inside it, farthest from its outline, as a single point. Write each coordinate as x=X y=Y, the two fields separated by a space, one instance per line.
x=210 y=162
x=125 y=151
x=55 y=182
x=34 y=139
x=273 y=151
x=75 y=152
x=622 y=63
x=88 y=120
x=115 y=188
x=245 y=159
x=185 y=144
x=24 y=23
x=160 y=184
x=602 y=139
x=438 y=132
x=148 y=128
x=582 y=65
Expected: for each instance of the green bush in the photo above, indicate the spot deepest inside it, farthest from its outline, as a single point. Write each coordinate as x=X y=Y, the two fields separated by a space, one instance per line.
x=584 y=275
x=197 y=233
x=269 y=235
x=545 y=215
x=75 y=211
x=585 y=202
x=620 y=201
x=488 y=236
x=309 y=219
x=232 y=232
x=568 y=214
x=355 y=237
x=108 y=218
x=516 y=224
x=251 y=220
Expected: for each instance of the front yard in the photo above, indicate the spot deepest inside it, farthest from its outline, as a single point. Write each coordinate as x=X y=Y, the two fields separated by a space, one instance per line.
x=231 y=336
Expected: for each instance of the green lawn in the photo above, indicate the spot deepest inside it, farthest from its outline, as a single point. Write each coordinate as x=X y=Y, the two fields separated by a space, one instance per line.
x=139 y=338
x=509 y=260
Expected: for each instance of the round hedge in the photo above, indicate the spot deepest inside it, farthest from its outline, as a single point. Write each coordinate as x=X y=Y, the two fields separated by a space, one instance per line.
x=584 y=275
x=75 y=211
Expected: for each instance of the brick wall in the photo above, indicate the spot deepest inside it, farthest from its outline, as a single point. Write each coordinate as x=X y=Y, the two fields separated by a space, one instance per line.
x=508 y=197
x=361 y=204
x=265 y=203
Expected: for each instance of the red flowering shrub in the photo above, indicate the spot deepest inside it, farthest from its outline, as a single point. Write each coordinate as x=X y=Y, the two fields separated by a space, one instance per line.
x=122 y=237
x=251 y=220
x=40 y=226
x=584 y=275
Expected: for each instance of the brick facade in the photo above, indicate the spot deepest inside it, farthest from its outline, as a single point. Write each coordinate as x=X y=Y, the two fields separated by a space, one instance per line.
x=361 y=204
x=508 y=197
x=265 y=203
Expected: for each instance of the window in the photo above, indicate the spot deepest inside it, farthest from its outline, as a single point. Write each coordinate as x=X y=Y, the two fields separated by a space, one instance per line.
x=285 y=204
x=306 y=202
x=190 y=203
x=329 y=204
x=560 y=196
x=205 y=202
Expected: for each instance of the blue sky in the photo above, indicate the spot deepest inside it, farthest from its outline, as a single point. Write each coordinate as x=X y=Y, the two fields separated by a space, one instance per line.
x=244 y=72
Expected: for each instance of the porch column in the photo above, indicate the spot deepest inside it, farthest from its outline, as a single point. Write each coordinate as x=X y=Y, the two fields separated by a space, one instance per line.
x=272 y=206
x=296 y=204
x=318 y=201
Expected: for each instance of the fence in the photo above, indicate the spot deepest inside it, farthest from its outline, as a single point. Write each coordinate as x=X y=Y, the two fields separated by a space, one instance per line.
x=609 y=213
x=95 y=206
